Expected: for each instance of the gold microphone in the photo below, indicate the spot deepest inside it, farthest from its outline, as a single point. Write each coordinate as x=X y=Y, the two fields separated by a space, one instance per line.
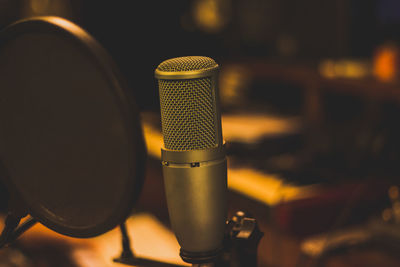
x=193 y=156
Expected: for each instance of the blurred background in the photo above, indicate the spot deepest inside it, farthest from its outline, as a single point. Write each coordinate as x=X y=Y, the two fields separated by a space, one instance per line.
x=310 y=94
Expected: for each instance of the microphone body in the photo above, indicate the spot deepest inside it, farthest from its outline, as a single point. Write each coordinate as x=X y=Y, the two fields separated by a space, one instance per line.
x=193 y=156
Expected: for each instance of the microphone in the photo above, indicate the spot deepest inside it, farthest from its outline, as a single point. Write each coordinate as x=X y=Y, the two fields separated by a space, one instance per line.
x=193 y=156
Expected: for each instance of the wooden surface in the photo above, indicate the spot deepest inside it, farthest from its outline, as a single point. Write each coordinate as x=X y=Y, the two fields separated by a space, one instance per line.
x=150 y=239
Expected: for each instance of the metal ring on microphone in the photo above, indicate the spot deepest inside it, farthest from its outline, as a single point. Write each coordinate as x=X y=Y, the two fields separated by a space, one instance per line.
x=193 y=155
x=193 y=74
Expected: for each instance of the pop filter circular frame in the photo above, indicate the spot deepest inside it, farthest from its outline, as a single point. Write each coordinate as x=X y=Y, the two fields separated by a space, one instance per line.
x=71 y=145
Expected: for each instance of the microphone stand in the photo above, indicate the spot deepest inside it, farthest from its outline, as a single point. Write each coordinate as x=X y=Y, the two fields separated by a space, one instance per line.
x=242 y=237
x=128 y=258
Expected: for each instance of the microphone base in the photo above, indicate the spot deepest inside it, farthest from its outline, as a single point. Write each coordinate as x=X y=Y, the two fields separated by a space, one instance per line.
x=200 y=257
x=242 y=237
x=141 y=262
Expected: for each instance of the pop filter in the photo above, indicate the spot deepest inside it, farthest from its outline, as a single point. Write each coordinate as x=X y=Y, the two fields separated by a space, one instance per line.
x=71 y=145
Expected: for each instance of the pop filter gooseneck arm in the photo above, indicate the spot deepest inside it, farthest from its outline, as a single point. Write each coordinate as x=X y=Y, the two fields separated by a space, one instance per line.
x=25 y=226
x=11 y=223
x=12 y=230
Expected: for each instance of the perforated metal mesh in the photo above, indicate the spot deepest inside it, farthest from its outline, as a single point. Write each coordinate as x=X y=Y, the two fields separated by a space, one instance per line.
x=187 y=114
x=187 y=64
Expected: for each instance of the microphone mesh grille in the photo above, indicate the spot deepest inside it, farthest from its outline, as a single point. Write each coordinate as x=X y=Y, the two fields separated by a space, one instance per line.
x=187 y=64
x=187 y=114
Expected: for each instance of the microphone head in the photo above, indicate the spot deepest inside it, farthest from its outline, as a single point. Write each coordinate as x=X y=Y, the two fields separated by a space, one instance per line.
x=191 y=63
x=190 y=115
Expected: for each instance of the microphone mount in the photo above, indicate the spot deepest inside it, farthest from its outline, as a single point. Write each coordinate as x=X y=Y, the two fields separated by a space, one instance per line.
x=242 y=238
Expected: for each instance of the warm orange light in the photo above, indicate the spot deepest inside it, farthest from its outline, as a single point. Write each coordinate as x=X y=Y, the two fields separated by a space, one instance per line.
x=315 y=246
x=385 y=61
x=265 y=188
x=387 y=214
x=233 y=84
x=211 y=15
x=345 y=68
x=62 y=8
x=258 y=126
x=394 y=192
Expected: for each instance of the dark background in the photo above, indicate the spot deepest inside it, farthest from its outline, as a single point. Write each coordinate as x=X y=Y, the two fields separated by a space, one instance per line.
x=141 y=34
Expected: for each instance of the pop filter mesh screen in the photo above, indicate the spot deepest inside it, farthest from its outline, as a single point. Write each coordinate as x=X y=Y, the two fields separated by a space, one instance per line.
x=65 y=141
